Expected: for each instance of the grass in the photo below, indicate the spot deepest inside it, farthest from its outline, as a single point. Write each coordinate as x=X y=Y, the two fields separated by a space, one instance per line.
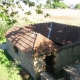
x=10 y=70
x=3 y=41
x=3 y=28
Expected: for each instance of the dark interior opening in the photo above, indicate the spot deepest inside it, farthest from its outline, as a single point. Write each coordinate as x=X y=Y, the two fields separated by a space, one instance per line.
x=49 y=63
x=16 y=50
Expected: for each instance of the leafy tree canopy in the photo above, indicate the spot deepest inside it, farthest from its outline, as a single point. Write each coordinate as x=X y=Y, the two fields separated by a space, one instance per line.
x=55 y=4
x=28 y=2
x=77 y=6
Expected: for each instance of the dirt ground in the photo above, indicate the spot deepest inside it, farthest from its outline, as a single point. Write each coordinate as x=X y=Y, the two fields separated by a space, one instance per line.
x=65 y=16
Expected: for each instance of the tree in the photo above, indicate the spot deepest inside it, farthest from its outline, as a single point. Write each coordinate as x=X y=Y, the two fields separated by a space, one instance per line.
x=56 y=0
x=49 y=3
x=31 y=3
x=26 y=1
x=55 y=4
x=6 y=15
x=38 y=9
x=61 y=5
x=77 y=6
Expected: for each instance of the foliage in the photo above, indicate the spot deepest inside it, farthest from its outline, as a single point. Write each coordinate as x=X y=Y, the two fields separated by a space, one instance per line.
x=5 y=15
x=48 y=4
x=31 y=3
x=17 y=2
x=47 y=15
x=3 y=28
x=1 y=35
x=19 y=6
x=8 y=65
x=38 y=9
x=26 y=1
x=39 y=6
x=59 y=5
x=77 y=6
x=56 y=0
x=28 y=13
x=55 y=4
x=11 y=68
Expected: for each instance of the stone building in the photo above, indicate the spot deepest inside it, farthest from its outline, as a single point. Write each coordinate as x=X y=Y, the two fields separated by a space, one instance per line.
x=43 y=46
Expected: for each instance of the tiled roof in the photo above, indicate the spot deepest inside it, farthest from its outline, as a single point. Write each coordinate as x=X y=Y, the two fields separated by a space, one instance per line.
x=22 y=38
x=42 y=28
x=25 y=37
x=61 y=33
x=65 y=34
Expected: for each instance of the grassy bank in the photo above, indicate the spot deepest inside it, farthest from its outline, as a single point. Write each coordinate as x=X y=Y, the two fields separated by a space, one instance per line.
x=10 y=69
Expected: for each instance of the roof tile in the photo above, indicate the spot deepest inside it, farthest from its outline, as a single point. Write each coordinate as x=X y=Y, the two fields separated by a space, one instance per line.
x=24 y=37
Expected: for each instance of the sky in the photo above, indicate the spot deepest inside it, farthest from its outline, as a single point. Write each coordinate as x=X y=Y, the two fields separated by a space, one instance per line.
x=66 y=1
x=72 y=1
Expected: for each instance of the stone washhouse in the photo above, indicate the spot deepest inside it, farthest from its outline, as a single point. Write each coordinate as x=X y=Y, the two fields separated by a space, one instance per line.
x=44 y=46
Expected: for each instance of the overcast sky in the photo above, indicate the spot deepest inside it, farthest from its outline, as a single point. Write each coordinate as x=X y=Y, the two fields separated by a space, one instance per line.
x=72 y=1
x=66 y=1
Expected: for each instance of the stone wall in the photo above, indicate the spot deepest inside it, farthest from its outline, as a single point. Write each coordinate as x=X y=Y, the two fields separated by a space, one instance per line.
x=39 y=65
x=10 y=50
x=24 y=60
x=66 y=57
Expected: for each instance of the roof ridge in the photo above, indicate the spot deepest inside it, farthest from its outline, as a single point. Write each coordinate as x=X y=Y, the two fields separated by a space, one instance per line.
x=67 y=24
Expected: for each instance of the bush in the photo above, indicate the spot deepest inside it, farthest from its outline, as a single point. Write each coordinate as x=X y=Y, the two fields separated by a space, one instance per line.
x=28 y=13
x=31 y=4
x=19 y=6
x=77 y=6
x=61 y=5
x=39 y=11
x=3 y=28
x=47 y=15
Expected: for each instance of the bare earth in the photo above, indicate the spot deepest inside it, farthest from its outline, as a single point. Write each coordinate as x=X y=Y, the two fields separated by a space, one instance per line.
x=65 y=16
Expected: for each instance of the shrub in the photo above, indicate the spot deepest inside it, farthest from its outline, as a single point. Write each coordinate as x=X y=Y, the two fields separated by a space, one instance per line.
x=28 y=13
x=13 y=13
x=19 y=6
x=31 y=4
x=39 y=11
x=77 y=6
x=59 y=5
x=47 y=15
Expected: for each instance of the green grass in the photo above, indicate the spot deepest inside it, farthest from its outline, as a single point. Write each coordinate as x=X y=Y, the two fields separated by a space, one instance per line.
x=3 y=41
x=10 y=70
x=3 y=28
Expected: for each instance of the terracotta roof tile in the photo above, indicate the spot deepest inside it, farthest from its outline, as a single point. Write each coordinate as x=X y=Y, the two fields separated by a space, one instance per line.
x=21 y=37
x=64 y=34
x=24 y=37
